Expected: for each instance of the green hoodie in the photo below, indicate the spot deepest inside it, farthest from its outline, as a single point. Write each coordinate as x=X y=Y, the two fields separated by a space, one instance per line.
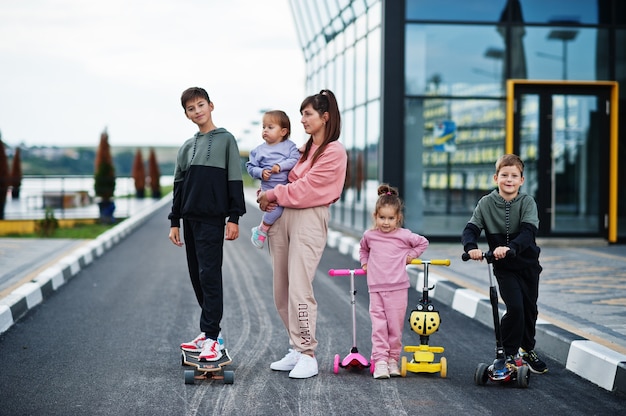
x=512 y=224
x=208 y=183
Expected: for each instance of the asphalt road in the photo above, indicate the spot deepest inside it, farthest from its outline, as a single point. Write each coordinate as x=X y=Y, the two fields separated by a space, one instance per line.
x=107 y=344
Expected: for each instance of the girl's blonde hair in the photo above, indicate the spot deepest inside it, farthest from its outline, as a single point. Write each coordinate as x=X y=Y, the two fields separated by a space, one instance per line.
x=388 y=196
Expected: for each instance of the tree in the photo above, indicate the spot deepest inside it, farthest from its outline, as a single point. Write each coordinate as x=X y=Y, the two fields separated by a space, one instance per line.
x=4 y=178
x=139 y=174
x=153 y=168
x=105 y=179
x=16 y=174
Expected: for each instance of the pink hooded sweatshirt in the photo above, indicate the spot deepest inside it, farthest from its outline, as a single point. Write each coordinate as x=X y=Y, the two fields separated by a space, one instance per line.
x=385 y=255
x=315 y=186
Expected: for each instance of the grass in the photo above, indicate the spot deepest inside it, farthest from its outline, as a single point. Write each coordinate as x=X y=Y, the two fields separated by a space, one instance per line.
x=78 y=231
x=86 y=231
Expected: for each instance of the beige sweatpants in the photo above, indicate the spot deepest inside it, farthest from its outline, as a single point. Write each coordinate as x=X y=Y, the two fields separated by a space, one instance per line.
x=297 y=240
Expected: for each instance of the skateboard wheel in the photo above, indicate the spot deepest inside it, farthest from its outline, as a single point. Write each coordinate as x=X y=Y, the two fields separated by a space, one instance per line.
x=336 y=364
x=481 y=375
x=523 y=376
x=229 y=377
x=190 y=377
x=444 y=367
x=403 y=365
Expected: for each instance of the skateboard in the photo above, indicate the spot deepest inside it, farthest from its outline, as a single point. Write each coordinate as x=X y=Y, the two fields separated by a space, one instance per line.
x=207 y=370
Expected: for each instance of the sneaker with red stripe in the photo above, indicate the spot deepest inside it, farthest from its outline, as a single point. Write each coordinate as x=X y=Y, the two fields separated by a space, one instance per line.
x=210 y=351
x=195 y=345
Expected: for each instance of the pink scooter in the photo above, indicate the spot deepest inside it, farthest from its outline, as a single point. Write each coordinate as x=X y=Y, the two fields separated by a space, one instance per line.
x=354 y=360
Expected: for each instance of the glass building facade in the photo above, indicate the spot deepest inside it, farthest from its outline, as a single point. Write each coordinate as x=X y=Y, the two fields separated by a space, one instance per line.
x=421 y=86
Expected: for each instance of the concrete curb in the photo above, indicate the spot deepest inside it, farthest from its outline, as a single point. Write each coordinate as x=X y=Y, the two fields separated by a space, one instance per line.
x=587 y=359
x=27 y=296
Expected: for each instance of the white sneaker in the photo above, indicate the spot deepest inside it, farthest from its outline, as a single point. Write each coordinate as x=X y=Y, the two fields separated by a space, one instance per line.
x=220 y=341
x=305 y=367
x=394 y=371
x=210 y=351
x=381 y=370
x=194 y=345
x=287 y=363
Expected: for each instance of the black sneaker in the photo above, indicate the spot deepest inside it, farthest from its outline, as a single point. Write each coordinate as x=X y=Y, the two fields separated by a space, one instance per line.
x=534 y=362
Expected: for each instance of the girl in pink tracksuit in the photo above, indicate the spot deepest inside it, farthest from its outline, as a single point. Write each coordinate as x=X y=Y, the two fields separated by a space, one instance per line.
x=385 y=250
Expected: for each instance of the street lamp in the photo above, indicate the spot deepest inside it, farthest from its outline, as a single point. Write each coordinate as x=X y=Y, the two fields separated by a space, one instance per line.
x=564 y=35
x=497 y=54
x=494 y=53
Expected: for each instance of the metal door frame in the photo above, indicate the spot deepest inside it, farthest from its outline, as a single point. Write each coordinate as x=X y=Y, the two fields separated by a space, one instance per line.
x=514 y=87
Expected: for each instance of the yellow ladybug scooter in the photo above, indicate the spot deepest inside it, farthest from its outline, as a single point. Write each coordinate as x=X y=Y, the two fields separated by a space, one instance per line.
x=425 y=320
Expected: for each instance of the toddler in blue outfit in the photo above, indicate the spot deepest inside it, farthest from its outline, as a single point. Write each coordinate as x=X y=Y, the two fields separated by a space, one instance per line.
x=271 y=162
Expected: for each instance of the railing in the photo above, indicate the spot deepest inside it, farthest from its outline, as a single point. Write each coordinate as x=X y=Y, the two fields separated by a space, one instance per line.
x=71 y=196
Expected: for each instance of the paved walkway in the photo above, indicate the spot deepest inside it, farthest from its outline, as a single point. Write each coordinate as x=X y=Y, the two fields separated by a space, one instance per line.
x=582 y=300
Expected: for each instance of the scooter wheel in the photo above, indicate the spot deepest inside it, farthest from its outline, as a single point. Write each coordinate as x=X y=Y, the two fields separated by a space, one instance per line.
x=336 y=364
x=523 y=376
x=481 y=376
x=444 y=367
x=403 y=366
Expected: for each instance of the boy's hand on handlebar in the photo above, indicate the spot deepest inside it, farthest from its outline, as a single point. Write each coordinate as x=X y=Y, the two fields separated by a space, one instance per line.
x=500 y=252
x=476 y=254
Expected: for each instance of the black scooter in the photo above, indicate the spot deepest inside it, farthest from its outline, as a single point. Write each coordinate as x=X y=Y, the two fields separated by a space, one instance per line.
x=500 y=371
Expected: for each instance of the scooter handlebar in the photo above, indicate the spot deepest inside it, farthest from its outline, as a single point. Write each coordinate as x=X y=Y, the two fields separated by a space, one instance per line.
x=488 y=255
x=434 y=262
x=346 y=272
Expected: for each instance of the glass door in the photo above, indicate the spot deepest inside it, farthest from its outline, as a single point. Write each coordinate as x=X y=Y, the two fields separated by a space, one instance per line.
x=561 y=137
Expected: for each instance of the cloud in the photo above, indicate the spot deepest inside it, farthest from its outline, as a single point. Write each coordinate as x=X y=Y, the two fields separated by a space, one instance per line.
x=73 y=67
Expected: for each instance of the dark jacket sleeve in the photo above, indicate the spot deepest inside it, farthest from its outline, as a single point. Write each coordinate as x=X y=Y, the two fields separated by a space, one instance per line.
x=525 y=238
x=469 y=238
x=174 y=216
x=237 y=201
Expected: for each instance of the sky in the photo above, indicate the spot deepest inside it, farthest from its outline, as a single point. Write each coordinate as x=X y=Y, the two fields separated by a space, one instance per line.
x=69 y=69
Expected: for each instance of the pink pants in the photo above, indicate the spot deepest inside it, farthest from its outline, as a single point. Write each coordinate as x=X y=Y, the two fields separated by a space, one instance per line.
x=297 y=240
x=387 y=312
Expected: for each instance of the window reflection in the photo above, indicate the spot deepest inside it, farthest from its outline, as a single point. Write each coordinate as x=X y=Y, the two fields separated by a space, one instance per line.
x=453 y=60
x=534 y=11
x=455 y=176
x=572 y=58
x=373 y=65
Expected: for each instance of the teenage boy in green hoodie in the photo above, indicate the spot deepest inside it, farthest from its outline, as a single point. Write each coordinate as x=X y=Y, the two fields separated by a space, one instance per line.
x=208 y=194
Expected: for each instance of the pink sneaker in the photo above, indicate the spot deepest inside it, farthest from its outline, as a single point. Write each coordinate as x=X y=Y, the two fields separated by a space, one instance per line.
x=258 y=237
x=394 y=371
x=195 y=345
x=210 y=351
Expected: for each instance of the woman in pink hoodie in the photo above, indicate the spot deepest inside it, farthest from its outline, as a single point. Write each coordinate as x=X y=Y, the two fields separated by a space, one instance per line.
x=385 y=251
x=297 y=239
